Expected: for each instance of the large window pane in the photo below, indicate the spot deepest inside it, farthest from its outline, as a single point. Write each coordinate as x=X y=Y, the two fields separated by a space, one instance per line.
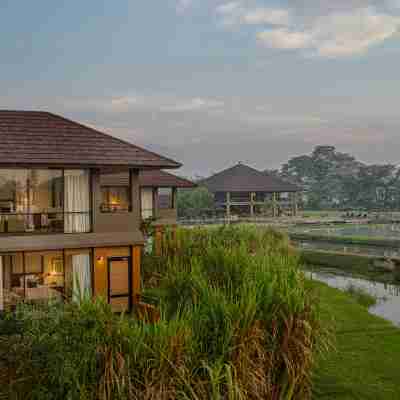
x=76 y=201
x=44 y=276
x=78 y=274
x=45 y=200
x=41 y=200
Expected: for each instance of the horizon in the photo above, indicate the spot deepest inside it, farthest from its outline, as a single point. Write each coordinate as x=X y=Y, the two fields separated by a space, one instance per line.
x=209 y=83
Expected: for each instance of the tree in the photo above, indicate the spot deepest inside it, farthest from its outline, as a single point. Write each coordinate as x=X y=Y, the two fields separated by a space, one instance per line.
x=334 y=179
x=194 y=202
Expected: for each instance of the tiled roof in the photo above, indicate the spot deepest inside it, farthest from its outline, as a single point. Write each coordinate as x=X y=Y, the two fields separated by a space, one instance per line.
x=242 y=178
x=42 y=138
x=150 y=178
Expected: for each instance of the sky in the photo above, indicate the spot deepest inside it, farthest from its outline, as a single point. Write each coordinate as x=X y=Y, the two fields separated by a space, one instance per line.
x=212 y=82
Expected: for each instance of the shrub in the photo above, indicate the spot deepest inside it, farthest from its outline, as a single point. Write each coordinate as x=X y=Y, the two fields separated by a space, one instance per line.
x=237 y=322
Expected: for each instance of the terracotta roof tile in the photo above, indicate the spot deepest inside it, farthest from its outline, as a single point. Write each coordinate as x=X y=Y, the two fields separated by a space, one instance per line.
x=242 y=178
x=151 y=178
x=40 y=138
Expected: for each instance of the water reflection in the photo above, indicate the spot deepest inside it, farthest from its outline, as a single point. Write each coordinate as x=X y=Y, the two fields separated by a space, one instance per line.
x=388 y=304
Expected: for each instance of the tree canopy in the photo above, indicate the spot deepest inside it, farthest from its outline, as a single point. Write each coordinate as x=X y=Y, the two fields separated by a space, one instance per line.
x=337 y=180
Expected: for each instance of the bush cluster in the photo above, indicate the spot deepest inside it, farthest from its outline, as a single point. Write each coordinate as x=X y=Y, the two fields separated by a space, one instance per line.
x=237 y=322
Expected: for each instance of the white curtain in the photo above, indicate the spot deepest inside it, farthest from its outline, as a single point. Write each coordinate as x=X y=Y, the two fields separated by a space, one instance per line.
x=147 y=203
x=1 y=285
x=81 y=283
x=76 y=202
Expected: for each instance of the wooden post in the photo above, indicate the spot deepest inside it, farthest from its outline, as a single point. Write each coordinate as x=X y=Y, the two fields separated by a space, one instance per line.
x=228 y=205
x=294 y=204
x=136 y=273
x=274 y=204
x=252 y=197
x=155 y=203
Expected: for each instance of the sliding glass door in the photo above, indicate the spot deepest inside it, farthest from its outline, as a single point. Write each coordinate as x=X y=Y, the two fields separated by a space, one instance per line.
x=44 y=201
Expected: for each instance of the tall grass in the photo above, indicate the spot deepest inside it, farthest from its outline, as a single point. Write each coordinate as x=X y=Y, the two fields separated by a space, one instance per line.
x=237 y=322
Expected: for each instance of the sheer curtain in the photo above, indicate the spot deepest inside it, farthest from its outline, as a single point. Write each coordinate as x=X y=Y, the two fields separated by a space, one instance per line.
x=81 y=284
x=76 y=201
x=147 y=203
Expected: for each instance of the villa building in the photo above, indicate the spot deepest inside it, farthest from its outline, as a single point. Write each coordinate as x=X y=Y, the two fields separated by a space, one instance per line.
x=158 y=194
x=246 y=192
x=60 y=234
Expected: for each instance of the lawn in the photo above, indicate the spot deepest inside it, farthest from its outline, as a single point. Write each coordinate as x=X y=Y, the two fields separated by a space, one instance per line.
x=365 y=363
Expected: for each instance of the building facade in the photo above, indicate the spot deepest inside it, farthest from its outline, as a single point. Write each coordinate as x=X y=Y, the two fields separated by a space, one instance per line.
x=60 y=235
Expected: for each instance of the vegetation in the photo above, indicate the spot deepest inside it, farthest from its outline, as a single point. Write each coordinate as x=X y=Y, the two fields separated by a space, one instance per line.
x=361 y=296
x=357 y=240
x=365 y=363
x=194 y=203
x=337 y=180
x=353 y=264
x=237 y=322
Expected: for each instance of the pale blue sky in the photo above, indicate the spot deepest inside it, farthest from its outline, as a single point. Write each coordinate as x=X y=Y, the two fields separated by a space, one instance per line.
x=211 y=82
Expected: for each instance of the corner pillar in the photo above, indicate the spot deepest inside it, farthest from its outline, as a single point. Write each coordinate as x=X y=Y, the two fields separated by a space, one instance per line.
x=136 y=273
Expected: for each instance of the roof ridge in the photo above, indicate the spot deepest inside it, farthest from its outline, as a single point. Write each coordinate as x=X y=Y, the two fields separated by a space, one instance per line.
x=178 y=165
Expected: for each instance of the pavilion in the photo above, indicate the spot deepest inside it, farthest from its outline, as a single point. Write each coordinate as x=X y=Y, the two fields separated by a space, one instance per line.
x=246 y=192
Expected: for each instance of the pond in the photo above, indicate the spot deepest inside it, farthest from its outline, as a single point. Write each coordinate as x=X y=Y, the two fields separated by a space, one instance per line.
x=384 y=231
x=388 y=296
x=348 y=248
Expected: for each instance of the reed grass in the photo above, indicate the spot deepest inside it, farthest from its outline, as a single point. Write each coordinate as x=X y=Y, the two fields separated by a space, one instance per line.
x=237 y=322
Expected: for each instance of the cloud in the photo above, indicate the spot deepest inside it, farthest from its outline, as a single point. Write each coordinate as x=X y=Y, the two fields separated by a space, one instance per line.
x=235 y=13
x=193 y=104
x=337 y=34
x=332 y=29
x=183 y=5
x=284 y=39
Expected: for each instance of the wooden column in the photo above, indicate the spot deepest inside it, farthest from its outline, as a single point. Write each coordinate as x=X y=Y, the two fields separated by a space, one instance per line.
x=274 y=204
x=136 y=273
x=296 y=208
x=174 y=197
x=252 y=197
x=228 y=205
x=155 y=203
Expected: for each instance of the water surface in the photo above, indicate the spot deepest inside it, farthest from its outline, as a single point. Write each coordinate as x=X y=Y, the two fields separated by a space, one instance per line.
x=388 y=296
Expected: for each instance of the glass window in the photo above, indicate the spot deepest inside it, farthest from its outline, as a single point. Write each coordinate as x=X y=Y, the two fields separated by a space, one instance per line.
x=44 y=200
x=165 y=198
x=76 y=201
x=115 y=198
x=39 y=277
x=78 y=274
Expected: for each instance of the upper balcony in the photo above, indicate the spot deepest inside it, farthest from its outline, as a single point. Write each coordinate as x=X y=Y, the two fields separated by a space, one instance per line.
x=45 y=201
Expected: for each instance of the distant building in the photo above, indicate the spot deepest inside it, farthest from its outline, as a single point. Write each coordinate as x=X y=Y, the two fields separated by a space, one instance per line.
x=245 y=191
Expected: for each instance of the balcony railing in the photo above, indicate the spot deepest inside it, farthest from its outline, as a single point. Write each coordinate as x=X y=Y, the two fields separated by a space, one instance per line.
x=50 y=222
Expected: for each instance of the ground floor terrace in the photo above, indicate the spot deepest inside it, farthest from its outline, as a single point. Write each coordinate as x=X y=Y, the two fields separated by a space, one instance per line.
x=253 y=204
x=71 y=274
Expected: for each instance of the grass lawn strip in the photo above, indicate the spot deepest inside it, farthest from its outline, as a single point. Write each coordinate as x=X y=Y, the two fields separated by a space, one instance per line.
x=365 y=362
